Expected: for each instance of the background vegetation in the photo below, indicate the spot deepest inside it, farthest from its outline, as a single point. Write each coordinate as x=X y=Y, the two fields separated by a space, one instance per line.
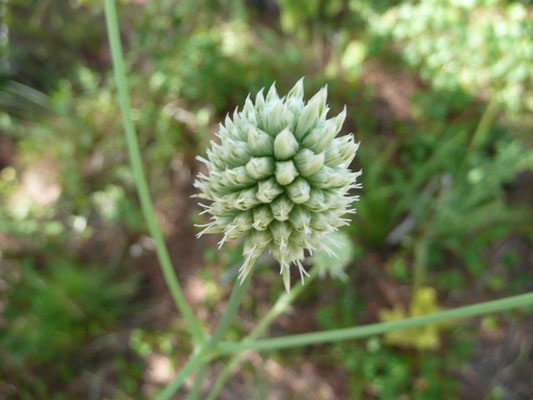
x=440 y=93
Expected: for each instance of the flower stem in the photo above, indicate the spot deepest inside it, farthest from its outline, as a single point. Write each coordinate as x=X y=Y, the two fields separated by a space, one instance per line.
x=198 y=380
x=375 y=329
x=195 y=360
x=204 y=351
x=231 y=308
x=138 y=172
x=279 y=307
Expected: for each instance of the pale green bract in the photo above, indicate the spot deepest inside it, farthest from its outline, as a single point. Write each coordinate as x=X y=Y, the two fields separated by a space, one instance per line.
x=280 y=178
x=334 y=266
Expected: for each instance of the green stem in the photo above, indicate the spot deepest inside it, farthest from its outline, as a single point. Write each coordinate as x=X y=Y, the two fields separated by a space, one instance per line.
x=139 y=176
x=198 y=380
x=374 y=329
x=231 y=308
x=195 y=360
x=204 y=351
x=281 y=305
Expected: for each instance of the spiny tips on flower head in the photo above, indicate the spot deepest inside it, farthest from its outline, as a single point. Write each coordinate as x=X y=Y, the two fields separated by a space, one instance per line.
x=280 y=178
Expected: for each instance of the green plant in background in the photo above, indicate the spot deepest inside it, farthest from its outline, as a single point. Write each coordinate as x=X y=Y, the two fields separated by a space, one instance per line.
x=424 y=302
x=378 y=370
x=48 y=315
x=210 y=347
x=455 y=46
x=445 y=205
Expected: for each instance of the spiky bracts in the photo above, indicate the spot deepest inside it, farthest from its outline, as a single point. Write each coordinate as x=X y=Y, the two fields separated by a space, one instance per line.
x=279 y=178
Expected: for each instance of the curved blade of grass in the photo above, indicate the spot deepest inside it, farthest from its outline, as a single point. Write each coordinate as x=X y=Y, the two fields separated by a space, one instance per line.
x=375 y=329
x=138 y=172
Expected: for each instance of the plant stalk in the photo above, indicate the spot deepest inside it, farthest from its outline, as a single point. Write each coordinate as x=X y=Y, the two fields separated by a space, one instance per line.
x=194 y=361
x=198 y=380
x=379 y=328
x=281 y=305
x=206 y=349
x=138 y=172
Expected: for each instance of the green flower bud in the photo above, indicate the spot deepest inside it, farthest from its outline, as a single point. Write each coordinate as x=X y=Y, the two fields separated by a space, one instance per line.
x=237 y=228
x=254 y=245
x=268 y=190
x=262 y=217
x=299 y=191
x=247 y=199
x=281 y=231
x=281 y=208
x=248 y=111
x=285 y=172
x=259 y=142
x=226 y=203
x=339 y=120
x=301 y=220
x=328 y=177
x=279 y=178
x=237 y=152
x=237 y=177
x=297 y=92
x=285 y=145
x=277 y=120
x=317 y=201
x=307 y=162
x=272 y=95
x=321 y=136
x=341 y=151
x=260 y=167
x=307 y=119
x=260 y=100
x=322 y=222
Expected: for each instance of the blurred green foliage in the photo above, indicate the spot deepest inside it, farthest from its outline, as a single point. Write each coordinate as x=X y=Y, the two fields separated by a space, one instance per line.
x=50 y=314
x=424 y=301
x=438 y=91
x=482 y=45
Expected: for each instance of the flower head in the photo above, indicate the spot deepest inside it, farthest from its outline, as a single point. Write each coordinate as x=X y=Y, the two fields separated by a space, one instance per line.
x=279 y=178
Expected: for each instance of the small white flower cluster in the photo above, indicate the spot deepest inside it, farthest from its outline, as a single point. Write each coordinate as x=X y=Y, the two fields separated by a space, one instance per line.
x=279 y=178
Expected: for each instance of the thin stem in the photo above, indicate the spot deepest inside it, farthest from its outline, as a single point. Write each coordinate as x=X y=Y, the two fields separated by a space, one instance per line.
x=193 y=362
x=231 y=308
x=204 y=351
x=281 y=305
x=198 y=380
x=374 y=329
x=139 y=176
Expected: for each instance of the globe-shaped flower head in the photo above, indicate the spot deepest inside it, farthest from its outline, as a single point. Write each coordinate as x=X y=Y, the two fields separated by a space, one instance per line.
x=279 y=178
